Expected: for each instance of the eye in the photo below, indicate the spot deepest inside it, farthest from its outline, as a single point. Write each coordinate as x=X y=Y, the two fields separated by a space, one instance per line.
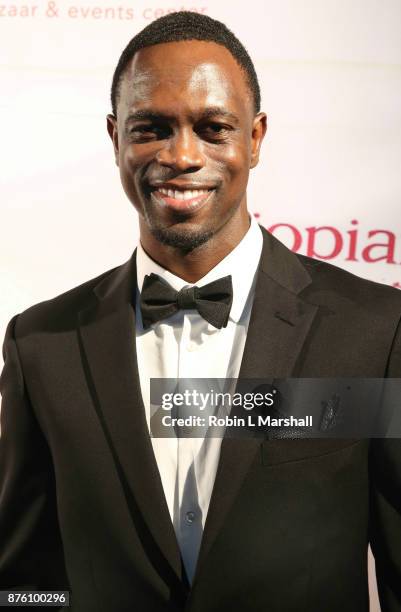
x=217 y=127
x=214 y=130
x=145 y=133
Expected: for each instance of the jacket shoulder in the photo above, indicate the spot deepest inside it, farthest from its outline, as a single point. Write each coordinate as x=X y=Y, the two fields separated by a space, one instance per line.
x=328 y=279
x=61 y=309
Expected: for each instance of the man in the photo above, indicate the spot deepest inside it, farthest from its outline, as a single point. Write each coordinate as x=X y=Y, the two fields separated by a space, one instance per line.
x=89 y=501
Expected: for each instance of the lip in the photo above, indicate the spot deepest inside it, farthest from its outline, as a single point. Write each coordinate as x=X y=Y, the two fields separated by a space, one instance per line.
x=183 y=207
x=181 y=185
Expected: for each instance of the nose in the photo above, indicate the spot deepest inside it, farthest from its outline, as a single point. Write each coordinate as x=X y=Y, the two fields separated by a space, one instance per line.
x=182 y=152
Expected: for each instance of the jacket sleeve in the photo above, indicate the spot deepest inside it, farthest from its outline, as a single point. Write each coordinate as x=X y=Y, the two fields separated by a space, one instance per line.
x=31 y=552
x=385 y=504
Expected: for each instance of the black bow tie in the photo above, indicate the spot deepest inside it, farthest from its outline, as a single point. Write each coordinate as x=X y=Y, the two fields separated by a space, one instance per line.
x=159 y=300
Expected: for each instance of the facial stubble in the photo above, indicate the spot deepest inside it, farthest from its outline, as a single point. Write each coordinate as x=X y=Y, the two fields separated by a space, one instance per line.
x=182 y=238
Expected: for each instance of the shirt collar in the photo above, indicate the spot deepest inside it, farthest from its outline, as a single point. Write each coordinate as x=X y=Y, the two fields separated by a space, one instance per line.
x=241 y=263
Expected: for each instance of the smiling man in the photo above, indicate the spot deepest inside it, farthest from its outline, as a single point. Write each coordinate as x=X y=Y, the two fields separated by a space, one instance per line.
x=92 y=500
x=186 y=130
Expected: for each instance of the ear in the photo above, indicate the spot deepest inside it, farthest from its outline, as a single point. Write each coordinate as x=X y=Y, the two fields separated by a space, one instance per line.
x=259 y=128
x=113 y=133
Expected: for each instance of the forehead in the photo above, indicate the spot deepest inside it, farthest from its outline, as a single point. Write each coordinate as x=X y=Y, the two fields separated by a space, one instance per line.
x=184 y=75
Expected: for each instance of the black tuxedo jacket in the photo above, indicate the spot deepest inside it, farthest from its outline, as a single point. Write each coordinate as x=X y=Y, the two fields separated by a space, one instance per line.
x=82 y=504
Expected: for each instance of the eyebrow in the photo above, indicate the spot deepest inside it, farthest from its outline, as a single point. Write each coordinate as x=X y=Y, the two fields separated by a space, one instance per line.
x=207 y=113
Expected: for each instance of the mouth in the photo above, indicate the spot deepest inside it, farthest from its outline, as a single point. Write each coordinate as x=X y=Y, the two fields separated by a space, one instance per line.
x=183 y=200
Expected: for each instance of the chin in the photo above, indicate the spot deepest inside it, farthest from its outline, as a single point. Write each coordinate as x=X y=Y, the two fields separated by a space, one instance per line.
x=183 y=239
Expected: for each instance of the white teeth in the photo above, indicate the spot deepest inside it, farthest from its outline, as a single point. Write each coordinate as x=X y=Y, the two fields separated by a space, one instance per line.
x=187 y=194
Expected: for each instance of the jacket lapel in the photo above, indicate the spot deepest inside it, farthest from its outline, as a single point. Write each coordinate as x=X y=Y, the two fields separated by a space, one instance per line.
x=279 y=323
x=107 y=332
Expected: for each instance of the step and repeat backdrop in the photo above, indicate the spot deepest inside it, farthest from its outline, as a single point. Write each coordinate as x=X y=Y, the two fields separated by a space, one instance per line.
x=329 y=181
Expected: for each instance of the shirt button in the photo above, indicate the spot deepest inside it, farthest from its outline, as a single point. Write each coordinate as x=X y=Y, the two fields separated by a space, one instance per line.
x=191 y=346
x=190 y=517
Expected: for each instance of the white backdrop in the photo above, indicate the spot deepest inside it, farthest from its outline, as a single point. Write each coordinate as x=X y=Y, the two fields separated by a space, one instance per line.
x=330 y=72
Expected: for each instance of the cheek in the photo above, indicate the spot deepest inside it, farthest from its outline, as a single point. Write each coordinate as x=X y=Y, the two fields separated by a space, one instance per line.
x=127 y=167
x=235 y=161
x=136 y=159
x=130 y=163
x=129 y=159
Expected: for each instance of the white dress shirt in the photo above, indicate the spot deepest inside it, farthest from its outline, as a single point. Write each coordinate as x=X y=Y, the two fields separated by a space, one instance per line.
x=184 y=345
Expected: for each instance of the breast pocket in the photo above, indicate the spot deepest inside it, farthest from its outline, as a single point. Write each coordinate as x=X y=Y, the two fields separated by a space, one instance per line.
x=274 y=452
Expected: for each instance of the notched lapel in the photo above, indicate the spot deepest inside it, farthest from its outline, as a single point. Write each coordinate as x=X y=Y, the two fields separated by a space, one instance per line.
x=280 y=318
x=279 y=325
x=107 y=332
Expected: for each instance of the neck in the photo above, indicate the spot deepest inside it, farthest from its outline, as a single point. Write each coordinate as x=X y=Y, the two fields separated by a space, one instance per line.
x=195 y=264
